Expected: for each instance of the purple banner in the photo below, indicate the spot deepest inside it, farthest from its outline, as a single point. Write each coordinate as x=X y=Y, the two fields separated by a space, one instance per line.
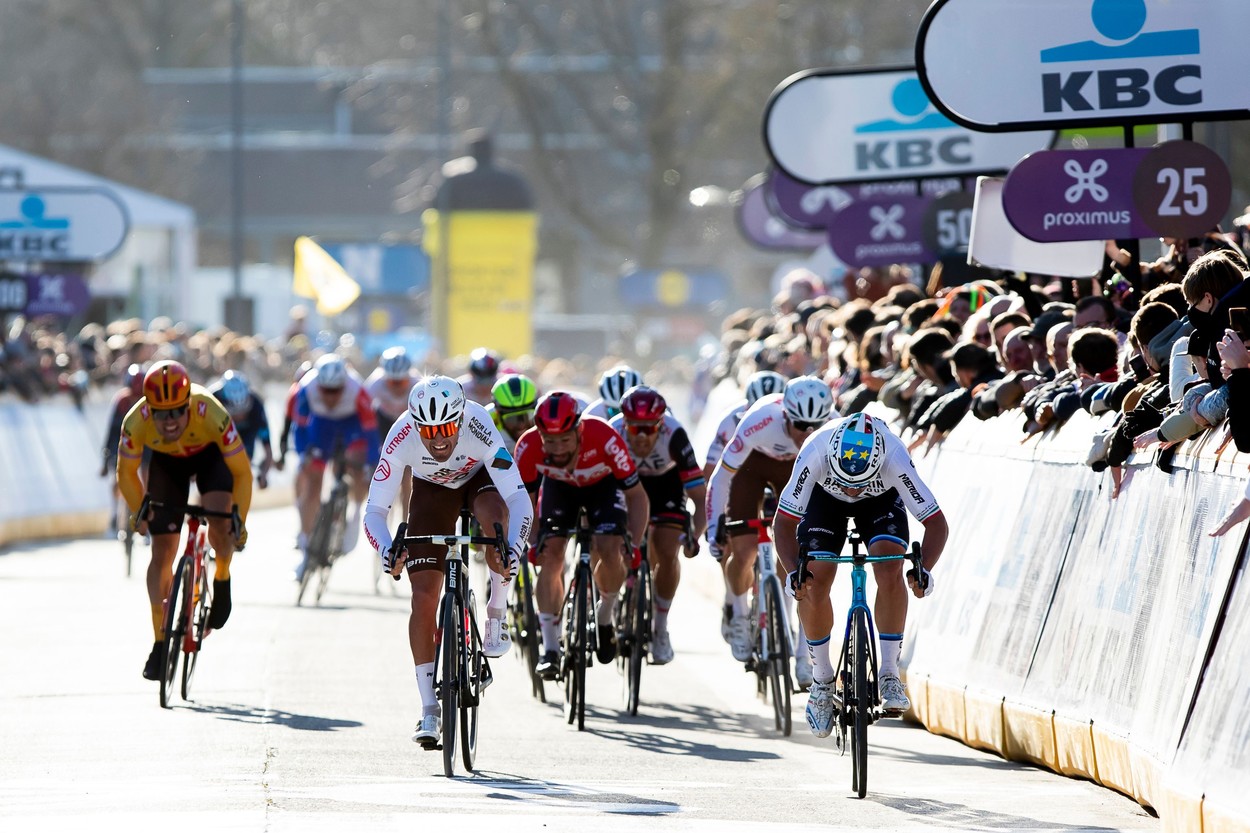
x=760 y=226
x=882 y=232
x=802 y=205
x=1055 y=196
x=55 y=293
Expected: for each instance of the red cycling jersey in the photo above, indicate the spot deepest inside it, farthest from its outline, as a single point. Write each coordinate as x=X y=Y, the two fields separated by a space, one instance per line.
x=601 y=453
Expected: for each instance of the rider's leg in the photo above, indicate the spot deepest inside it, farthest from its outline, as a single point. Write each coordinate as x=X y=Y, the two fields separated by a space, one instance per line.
x=422 y=622
x=890 y=608
x=609 y=568
x=549 y=589
x=663 y=545
x=159 y=578
x=358 y=473
x=489 y=509
x=308 y=486
x=816 y=614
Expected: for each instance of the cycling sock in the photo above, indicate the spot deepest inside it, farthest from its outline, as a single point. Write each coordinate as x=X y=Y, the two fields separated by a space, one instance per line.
x=822 y=666
x=498 y=598
x=891 y=645
x=549 y=623
x=425 y=685
x=741 y=603
x=660 y=624
x=352 y=534
x=158 y=621
x=221 y=568
x=606 y=612
x=801 y=637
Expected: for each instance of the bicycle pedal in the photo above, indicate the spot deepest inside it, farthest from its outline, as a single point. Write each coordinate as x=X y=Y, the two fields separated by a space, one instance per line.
x=487 y=677
x=432 y=747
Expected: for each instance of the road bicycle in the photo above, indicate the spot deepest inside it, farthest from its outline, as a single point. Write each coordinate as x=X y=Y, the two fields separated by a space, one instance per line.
x=524 y=627
x=771 y=647
x=633 y=622
x=857 y=700
x=580 y=638
x=190 y=599
x=325 y=542
x=462 y=671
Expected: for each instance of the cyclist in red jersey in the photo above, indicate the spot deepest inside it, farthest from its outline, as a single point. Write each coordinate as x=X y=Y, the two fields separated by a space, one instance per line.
x=580 y=462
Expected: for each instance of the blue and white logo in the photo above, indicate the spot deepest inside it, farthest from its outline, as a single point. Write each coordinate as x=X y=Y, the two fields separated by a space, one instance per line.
x=1121 y=22
x=917 y=112
x=58 y=224
x=33 y=208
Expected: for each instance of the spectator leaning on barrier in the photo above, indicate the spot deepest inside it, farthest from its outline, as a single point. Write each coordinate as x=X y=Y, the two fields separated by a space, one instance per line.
x=1214 y=284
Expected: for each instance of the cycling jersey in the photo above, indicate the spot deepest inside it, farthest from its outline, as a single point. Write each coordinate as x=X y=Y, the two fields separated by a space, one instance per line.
x=811 y=470
x=389 y=404
x=724 y=433
x=253 y=425
x=600 y=409
x=121 y=404
x=208 y=424
x=478 y=445
x=475 y=391
x=319 y=427
x=601 y=453
x=672 y=451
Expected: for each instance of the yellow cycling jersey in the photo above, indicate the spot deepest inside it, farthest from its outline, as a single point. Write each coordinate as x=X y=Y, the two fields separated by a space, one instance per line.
x=208 y=424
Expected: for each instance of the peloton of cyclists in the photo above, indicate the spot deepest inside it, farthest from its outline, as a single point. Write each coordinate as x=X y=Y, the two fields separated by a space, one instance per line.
x=855 y=467
x=669 y=472
x=248 y=412
x=580 y=462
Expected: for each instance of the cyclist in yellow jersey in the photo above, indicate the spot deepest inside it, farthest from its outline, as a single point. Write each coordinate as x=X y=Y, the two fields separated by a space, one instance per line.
x=191 y=435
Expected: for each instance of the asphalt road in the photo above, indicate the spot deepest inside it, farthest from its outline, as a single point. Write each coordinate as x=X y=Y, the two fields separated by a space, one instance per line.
x=302 y=717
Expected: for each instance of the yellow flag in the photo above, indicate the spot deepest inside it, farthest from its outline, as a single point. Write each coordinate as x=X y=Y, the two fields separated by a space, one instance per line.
x=317 y=275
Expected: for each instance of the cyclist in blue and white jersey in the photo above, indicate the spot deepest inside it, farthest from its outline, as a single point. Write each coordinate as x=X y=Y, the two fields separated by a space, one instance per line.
x=855 y=467
x=612 y=387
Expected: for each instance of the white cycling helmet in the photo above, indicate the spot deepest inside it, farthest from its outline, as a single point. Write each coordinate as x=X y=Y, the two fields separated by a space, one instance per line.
x=856 y=450
x=613 y=384
x=807 y=399
x=235 y=394
x=395 y=363
x=763 y=383
x=436 y=400
x=331 y=371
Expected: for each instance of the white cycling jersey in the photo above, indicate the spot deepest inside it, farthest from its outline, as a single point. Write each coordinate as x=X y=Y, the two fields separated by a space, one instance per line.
x=385 y=399
x=598 y=408
x=344 y=407
x=478 y=444
x=672 y=450
x=812 y=470
x=725 y=432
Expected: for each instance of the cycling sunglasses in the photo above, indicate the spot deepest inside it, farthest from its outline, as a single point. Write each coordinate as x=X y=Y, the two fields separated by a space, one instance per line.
x=644 y=429
x=804 y=426
x=447 y=429
x=517 y=417
x=169 y=414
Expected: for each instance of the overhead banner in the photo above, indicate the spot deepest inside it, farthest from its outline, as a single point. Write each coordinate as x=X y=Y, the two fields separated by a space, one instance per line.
x=1001 y=65
x=881 y=233
x=762 y=226
x=61 y=225
x=828 y=127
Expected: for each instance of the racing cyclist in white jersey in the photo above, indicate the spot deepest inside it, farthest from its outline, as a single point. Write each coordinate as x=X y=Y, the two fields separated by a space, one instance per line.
x=457 y=459
x=612 y=387
x=388 y=387
x=760 y=454
x=761 y=384
x=856 y=468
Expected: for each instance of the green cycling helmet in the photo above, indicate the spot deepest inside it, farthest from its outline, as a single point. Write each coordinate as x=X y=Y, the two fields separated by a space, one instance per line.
x=514 y=392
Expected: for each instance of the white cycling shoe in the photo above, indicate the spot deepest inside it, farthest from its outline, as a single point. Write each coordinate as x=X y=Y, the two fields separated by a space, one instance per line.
x=740 y=637
x=820 y=707
x=803 y=669
x=661 y=649
x=893 y=695
x=497 y=640
x=428 y=731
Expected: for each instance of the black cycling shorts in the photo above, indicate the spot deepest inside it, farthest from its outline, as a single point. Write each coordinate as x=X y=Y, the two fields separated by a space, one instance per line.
x=169 y=482
x=667 y=496
x=823 y=528
x=559 y=502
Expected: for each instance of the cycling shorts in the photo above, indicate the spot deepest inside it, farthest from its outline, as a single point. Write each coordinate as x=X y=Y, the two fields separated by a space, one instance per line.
x=169 y=482
x=559 y=502
x=823 y=527
x=434 y=509
x=324 y=434
x=667 y=496
x=746 y=491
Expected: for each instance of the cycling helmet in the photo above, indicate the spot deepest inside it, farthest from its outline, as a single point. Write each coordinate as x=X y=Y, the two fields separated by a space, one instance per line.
x=395 y=363
x=167 y=385
x=483 y=364
x=134 y=379
x=514 y=393
x=436 y=400
x=235 y=394
x=557 y=413
x=331 y=371
x=643 y=404
x=856 y=450
x=764 y=383
x=613 y=384
x=807 y=399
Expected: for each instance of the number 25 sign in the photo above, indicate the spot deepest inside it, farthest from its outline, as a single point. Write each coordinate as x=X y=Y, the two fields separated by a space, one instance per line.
x=1176 y=189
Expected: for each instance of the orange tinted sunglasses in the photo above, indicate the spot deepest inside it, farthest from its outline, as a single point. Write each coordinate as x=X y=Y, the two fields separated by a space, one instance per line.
x=644 y=429
x=447 y=429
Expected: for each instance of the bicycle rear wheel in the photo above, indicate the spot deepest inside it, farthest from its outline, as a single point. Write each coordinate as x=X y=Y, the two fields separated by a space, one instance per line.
x=471 y=673
x=530 y=630
x=176 y=607
x=778 y=661
x=862 y=709
x=199 y=624
x=318 y=554
x=638 y=613
x=449 y=686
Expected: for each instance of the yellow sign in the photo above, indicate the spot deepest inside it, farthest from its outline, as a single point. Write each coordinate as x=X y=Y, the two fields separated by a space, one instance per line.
x=490 y=285
x=672 y=288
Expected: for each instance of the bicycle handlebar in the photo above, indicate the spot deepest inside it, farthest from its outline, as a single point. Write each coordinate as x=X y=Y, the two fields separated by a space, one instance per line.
x=834 y=558
x=402 y=540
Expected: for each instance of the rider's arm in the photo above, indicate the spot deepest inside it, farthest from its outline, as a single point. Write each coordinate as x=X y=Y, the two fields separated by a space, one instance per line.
x=233 y=453
x=735 y=455
x=935 y=534
x=369 y=425
x=129 y=456
x=692 y=479
x=638 y=507
x=505 y=474
x=262 y=435
x=384 y=487
x=786 y=540
x=808 y=472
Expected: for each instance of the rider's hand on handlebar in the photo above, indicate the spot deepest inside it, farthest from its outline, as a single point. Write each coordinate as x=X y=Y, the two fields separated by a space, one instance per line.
x=921 y=586
x=689 y=545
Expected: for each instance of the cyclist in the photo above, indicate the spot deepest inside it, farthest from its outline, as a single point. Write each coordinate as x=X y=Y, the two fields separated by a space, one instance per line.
x=760 y=454
x=191 y=436
x=512 y=409
x=612 y=386
x=856 y=467
x=670 y=473
x=248 y=412
x=389 y=386
x=483 y=371
x=125 y=399
x=457 y=459
x=332 y=409
x=581 y=463
x=288 y=418
x=760 y=384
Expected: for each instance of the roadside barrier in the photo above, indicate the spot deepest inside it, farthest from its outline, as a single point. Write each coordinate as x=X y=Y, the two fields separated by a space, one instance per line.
x=1102 y=638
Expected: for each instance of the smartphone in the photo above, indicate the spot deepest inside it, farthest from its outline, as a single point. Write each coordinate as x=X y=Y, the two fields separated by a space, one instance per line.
x=1239 y=322
x=1141 y=371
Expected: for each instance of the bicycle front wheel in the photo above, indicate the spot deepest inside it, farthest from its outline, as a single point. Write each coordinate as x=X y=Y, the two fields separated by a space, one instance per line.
x=177 y=606
x=778 y=660
x=318 y=554
x=449 y=687
x=639 y=618
x=199 y=624
x=471 y=670
x=862 y=709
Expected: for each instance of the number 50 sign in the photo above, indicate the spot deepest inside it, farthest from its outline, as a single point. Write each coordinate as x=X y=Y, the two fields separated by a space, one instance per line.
x=1176 y=189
